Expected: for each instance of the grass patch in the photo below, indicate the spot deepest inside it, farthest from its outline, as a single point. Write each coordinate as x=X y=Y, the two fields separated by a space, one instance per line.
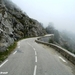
x=51 y=41
x=4 y=55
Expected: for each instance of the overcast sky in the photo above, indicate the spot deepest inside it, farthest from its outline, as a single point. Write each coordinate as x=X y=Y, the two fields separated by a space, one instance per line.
x=60 y=12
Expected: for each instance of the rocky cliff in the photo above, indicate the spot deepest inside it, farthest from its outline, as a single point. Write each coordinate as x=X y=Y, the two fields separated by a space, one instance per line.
x=14 y=25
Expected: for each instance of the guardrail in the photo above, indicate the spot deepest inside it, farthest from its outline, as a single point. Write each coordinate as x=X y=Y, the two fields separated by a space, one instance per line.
x=64 y=52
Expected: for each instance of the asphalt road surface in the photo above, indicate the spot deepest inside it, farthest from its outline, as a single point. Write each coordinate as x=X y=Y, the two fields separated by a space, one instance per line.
x=31 y=58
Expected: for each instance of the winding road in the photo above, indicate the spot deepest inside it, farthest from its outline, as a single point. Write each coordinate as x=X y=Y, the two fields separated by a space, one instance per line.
x=31 y=58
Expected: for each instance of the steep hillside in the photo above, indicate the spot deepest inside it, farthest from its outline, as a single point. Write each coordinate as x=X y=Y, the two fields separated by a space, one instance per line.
x=63 y=39
x=14 y=25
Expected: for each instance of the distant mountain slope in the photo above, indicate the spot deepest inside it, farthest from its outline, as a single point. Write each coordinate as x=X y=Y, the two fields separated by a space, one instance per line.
x=64 y=39
x=14 y=25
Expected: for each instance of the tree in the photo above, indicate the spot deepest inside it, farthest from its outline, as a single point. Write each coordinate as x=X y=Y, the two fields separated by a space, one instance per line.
x=50 y=28
x=56 y=36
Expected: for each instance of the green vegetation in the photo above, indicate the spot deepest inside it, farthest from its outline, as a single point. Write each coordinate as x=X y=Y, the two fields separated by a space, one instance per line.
x=4 y=55
x=64 y=39
x=0 y=37
x=51 y=41
x=51 y=30
x=31 y=21
x=74 y=52
x=68 y=48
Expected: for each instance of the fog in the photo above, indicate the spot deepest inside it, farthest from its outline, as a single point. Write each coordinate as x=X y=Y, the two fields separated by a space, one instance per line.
x=60 y=12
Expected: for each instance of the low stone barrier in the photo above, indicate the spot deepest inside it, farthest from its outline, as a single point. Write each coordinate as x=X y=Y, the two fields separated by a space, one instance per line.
x=62 y=51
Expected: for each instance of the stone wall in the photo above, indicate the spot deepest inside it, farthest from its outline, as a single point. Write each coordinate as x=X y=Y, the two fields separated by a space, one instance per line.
x=62 y=51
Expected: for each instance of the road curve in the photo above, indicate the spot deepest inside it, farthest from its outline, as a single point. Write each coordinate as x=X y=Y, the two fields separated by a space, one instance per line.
x=31 y=58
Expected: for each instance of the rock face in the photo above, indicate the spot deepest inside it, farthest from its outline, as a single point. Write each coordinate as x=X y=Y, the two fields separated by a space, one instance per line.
x=14 y=25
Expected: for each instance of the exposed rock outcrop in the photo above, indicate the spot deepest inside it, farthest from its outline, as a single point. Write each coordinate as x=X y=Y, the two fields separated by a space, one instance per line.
x=14 y=25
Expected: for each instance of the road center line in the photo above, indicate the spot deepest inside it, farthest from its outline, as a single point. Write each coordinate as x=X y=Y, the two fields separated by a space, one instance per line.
x=62 y=59
x=3 y=63
x=35 y=53
x=35 y=58
x=1 y=73
x=31 y=46
x=15 y=52
x=35 y=70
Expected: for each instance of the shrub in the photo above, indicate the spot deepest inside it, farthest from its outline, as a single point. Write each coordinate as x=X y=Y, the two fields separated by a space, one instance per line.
x=51 y=41
x=4 y=55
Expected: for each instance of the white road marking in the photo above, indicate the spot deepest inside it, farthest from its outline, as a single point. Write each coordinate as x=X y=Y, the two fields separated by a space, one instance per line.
x=15 y=52
x=35 y=53
x=35 y=58
x=3 y=72
x=31 y=46
x=35 y=70
x=3 y=63
x=62 y=59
